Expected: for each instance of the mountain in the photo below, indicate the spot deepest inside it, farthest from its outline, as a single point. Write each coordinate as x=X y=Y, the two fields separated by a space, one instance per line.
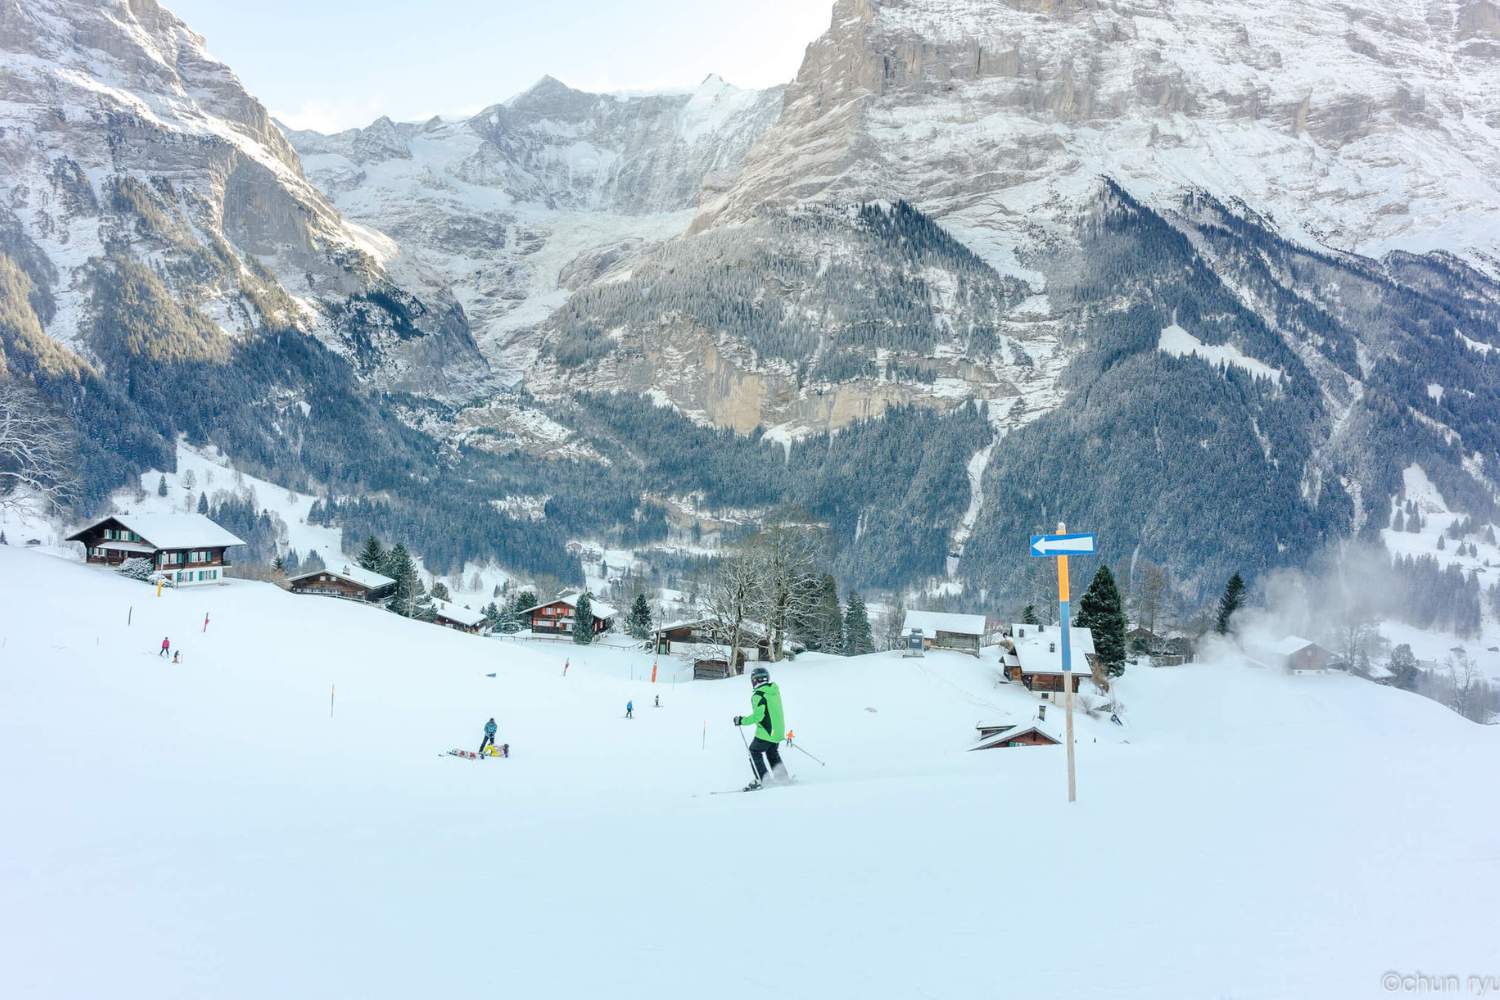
x=159 y=214
x=1208 y=279
x=515 y=207
x=1176 y=254
x=1365 y=128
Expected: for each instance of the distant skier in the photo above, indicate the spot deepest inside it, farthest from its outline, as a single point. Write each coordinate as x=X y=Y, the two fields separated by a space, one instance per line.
x=658 y=701
x=166 y=647
x=177 y=656
x=788 y=737
x=489 y=735
x=770 y=728
x=205 y=621
x=630 y=710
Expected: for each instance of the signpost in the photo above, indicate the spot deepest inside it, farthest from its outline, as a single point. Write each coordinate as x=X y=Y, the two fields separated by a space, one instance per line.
x=1059 y=547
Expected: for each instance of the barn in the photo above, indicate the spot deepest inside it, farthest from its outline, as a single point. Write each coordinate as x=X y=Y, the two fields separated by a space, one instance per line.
x=183 y=549
x=350 y=581
x=1295 y=655
x=945 y=630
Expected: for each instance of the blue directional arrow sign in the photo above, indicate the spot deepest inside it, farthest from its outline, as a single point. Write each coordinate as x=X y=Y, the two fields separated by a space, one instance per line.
x=1043 y=546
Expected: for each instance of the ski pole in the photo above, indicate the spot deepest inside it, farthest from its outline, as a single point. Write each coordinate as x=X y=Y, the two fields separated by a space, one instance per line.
x=798 y=746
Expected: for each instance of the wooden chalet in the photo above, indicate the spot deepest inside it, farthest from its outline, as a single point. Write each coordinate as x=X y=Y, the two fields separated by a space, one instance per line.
x=701 y=638
x=1031 y=734
x=454 y=616
x=1032 y=655
x=555 y=617
x=1295 y=655
x=943 y=630
x=183 y=549
x=350 y=581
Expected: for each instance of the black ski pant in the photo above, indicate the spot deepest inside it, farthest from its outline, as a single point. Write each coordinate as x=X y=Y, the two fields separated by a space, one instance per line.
x=489 y=741
x=761 y=753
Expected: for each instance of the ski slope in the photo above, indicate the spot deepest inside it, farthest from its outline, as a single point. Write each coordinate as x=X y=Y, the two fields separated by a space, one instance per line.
x=212 y=829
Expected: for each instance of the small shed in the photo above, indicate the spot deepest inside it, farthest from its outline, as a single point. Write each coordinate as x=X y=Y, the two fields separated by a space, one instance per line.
x=352 y=582
x=945 y=630
x=453 y=616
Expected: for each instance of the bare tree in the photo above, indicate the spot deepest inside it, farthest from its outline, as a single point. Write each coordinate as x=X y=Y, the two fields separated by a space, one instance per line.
x=35 y=451
x=1148 y=596
x=1469 y=694
x=787 y=559
x=733 y=593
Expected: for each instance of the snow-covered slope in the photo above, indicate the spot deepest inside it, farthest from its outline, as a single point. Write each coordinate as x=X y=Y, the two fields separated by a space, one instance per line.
x=273 y=815
x=1365 y=127
x=522 y=203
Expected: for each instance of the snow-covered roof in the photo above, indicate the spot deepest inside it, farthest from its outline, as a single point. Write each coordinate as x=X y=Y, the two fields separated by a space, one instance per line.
x=570 y=598
x=1288 y=645
x=457 y=613
x=933 y=622
x=115 y=546
x=1038 y=648
x=170 y=531
x=353 y=572
x=1001 y=738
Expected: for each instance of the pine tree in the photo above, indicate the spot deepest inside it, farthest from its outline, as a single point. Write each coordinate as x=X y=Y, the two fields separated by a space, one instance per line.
x=830 y=616
x=279 y=565
x=1102 y=612
x=525 y=601
x=1028 y=615
x=439 y=592
x=161 y=486
x=3 y=540
x=203 y=503
x=1440 y=545
x=1403 y=667
x=1234 y=597
x=372 y=557
x=313 y=562
x=857 y=637
x=583 y=620
x=639 y=622
x=408 y=595
x=1398 y=523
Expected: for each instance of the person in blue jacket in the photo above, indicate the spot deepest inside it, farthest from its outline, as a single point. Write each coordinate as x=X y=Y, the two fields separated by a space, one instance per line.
x=489 y=735
x=630 y=710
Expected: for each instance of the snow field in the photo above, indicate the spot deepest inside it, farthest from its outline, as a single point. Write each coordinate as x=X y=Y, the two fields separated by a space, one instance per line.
x=207 y=829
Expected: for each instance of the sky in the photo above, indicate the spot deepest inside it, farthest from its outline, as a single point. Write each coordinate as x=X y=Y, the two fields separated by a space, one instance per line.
x=332 y=64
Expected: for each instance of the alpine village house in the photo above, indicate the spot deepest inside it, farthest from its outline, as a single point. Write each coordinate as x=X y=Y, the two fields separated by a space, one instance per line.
x=183 y=549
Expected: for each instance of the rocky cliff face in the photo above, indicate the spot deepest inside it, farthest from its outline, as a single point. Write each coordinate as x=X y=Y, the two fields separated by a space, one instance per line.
x=1366 y=127
x=142 y=185
x=528 y=200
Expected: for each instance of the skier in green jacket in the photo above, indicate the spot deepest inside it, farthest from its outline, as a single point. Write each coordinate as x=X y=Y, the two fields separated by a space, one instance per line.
x=770 y=728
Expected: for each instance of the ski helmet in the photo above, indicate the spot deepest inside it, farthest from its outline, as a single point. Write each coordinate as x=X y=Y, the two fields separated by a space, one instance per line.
x=759 y=676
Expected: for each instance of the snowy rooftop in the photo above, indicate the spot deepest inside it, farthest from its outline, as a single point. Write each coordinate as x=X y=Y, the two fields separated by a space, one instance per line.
x=1288 y=645
x=171 y=531
x=933 y=622
x=352 y=572
x=1005 y=736
x=1038 y=649
x=457 y=613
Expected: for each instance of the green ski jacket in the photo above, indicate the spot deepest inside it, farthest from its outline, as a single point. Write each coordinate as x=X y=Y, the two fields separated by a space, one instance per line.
x=765 y=713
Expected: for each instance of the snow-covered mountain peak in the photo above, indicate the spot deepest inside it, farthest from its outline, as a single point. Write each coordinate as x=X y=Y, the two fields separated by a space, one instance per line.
x=1369 y=128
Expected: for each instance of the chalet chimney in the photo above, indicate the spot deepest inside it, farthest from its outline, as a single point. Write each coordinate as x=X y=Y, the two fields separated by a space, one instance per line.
x=1051 y=647
x=1041 y=713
